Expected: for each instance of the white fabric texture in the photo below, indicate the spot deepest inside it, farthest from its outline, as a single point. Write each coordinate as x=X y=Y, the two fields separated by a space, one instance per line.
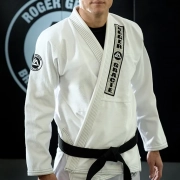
x=64 y=175
x=70 y=86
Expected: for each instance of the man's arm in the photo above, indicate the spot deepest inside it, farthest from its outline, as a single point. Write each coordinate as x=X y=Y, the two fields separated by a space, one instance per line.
x=39 y=109
x=148 y=121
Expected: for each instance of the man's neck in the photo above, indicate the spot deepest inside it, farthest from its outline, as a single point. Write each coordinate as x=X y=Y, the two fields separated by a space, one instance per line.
x=93 y=21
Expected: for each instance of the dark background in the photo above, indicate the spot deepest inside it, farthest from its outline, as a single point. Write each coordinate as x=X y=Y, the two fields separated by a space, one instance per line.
x=159 y=23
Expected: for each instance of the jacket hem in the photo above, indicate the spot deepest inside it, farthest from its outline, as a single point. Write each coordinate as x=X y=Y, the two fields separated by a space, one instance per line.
x=40 y=172
x=105 y=172
x=156 y=148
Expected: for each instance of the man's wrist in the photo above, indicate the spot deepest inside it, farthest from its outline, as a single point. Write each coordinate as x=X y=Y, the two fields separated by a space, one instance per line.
x=157 y=151
x=45 y=175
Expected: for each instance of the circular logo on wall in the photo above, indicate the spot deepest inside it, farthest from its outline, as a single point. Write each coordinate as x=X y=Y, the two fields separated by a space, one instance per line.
x=23 y=31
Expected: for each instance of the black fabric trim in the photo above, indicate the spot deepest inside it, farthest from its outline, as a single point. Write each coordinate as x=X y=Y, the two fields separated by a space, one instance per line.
x=116 y=61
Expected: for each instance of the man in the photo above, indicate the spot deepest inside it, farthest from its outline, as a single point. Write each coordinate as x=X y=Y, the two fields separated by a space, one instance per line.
x=92 y=74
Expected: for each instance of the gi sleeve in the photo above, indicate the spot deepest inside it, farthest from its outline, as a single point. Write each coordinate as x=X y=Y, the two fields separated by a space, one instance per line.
x=40 y=107
x=148 y=121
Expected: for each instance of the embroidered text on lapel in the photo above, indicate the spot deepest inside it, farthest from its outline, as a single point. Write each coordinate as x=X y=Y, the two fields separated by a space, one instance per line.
x=116 y=61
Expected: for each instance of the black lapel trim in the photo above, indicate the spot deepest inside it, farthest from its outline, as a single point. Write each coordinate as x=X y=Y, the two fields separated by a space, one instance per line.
x=116 y=61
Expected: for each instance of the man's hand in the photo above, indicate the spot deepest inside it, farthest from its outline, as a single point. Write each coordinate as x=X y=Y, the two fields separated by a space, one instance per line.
x=155 y=165
x=47 y=177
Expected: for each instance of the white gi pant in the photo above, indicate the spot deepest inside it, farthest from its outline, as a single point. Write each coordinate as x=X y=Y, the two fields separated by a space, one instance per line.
x=63 y=175
x=120 y=177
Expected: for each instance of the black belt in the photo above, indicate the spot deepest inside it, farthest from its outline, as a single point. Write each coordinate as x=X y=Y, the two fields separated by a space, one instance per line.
x=102 y=155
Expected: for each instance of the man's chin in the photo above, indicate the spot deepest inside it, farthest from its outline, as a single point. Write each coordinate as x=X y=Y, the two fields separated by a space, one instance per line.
x=98 y=12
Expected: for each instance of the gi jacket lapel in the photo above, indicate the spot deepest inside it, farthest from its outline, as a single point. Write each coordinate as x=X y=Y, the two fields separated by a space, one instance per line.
x=103 y=85
x=82 y=28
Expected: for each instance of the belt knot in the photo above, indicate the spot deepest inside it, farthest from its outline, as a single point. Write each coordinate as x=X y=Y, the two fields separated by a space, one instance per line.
x=111 y=154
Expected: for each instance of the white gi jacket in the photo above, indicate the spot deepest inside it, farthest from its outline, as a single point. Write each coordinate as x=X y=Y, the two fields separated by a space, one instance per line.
x=97 y=97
